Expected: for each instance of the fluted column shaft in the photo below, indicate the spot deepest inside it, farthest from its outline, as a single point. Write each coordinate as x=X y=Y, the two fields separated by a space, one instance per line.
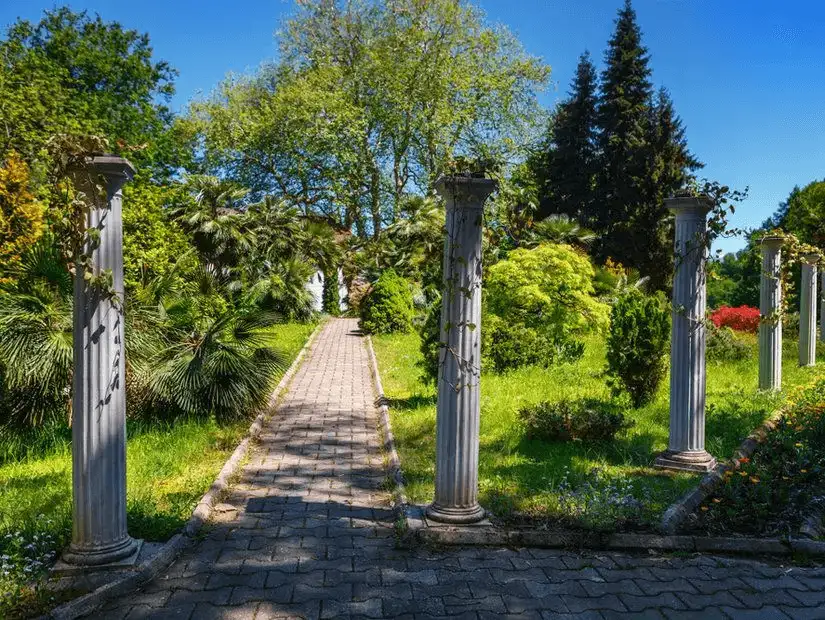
x=822 y=307
x=770 y=308
x=99 y=533
x=807 y=311
x=686 y=444
x=458 y=410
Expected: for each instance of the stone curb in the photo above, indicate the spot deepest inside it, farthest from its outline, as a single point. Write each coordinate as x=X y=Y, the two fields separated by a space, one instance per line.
x=487 y=535
x=169 y=552
x=677 y=513
x=399 y=492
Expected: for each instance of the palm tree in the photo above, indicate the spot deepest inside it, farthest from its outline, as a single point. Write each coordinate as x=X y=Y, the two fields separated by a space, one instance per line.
x=218 y=361
x=213 y=219
x=559 y=228
x=36 y=338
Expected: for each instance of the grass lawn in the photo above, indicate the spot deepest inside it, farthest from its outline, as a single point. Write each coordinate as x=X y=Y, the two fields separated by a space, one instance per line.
x=169 y=467
x=582 y=483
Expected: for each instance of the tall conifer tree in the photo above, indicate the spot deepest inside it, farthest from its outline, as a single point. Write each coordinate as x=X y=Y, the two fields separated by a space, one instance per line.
x=624 y=109
x=643 y=158
x=566 y=174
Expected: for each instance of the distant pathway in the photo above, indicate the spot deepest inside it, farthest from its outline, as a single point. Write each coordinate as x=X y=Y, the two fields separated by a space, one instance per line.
x=313 y=537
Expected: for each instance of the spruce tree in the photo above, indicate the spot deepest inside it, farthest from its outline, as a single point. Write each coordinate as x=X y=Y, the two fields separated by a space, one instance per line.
x=624 y=108
x=668 y=167
x=643 y=158
x=566 y=175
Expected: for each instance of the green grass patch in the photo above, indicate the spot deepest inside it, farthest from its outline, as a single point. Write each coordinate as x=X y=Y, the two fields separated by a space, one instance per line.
x=169 y=467
x=584 y=483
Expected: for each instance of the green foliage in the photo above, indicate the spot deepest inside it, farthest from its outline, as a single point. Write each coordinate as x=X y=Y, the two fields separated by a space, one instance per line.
x=587 y=419
x=331 y=298
x=644 y=158
x=389 y=306
x=724 y=345
x=36 y=339
x=803 y=214
x=71 y=73
x=733 y=280
x=637 y=346
x=370 y=102
x=612 y=157
x=549 y=289
x=219 y=363
x=505 y=346
x=567 y=166
x=153 y=243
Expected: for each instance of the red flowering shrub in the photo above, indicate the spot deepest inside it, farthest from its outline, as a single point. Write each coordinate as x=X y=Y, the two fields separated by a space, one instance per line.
x=743 y=318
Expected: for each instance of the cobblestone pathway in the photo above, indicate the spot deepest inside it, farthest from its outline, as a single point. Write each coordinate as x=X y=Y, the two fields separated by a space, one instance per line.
x=313 y=538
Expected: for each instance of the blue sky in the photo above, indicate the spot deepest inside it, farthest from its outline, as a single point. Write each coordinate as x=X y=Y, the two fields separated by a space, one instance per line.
x=746 y=76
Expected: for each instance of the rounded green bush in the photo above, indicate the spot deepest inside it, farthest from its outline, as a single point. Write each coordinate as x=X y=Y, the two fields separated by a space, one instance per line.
x=388 y=308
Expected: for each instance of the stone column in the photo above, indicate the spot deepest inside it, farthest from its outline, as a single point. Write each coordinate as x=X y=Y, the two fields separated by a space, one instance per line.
x=456 y=467
x=686 y=445
x=99 y=533
x=822 y=307
x=770 y=323
x=807 y=310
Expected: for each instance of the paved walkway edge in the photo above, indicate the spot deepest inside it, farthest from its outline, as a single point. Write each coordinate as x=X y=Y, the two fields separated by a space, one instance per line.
x=677 y=514
x=399 y=492
x=417 y=529
x=169 y=552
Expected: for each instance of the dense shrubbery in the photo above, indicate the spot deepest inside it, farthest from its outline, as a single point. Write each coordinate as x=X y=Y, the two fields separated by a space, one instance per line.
x=637 y=345
x=505 y=346
x=331 y=302
x=723 y=344
x=742 y=319
x=587 y=419
x=388 y=308
x=771 y=492
x=549 y=289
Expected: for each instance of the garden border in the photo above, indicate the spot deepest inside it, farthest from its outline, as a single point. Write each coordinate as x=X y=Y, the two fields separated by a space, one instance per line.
x=676 y=515
x=169 y=552
x=399 y=494
x=416 y=529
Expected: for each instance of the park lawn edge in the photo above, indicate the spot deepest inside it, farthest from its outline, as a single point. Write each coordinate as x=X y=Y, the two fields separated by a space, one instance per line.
x=384 y=351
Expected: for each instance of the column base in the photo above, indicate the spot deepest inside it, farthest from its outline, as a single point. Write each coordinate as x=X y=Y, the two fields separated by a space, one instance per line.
x=689 y=460
x=457 y=515
x=122 y=553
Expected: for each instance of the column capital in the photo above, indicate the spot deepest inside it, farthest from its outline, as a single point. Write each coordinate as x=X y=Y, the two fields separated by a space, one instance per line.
x=811 y=258
x=772 y=242
x=113 y=166
x=689 y=206
x=461 y=191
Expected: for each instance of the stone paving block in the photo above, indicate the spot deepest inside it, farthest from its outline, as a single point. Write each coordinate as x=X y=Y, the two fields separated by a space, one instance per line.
x=205 y=611
x=585 y=615
x=718 y=585
x=609 y=601
x=658 y=601
x=804 y=613
x=625 y=586
x=752 y=599
x=517 y=605
x=709 y=613
x=765 y=613
x=809 y=599
x=657 y=587
x=215 y=597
